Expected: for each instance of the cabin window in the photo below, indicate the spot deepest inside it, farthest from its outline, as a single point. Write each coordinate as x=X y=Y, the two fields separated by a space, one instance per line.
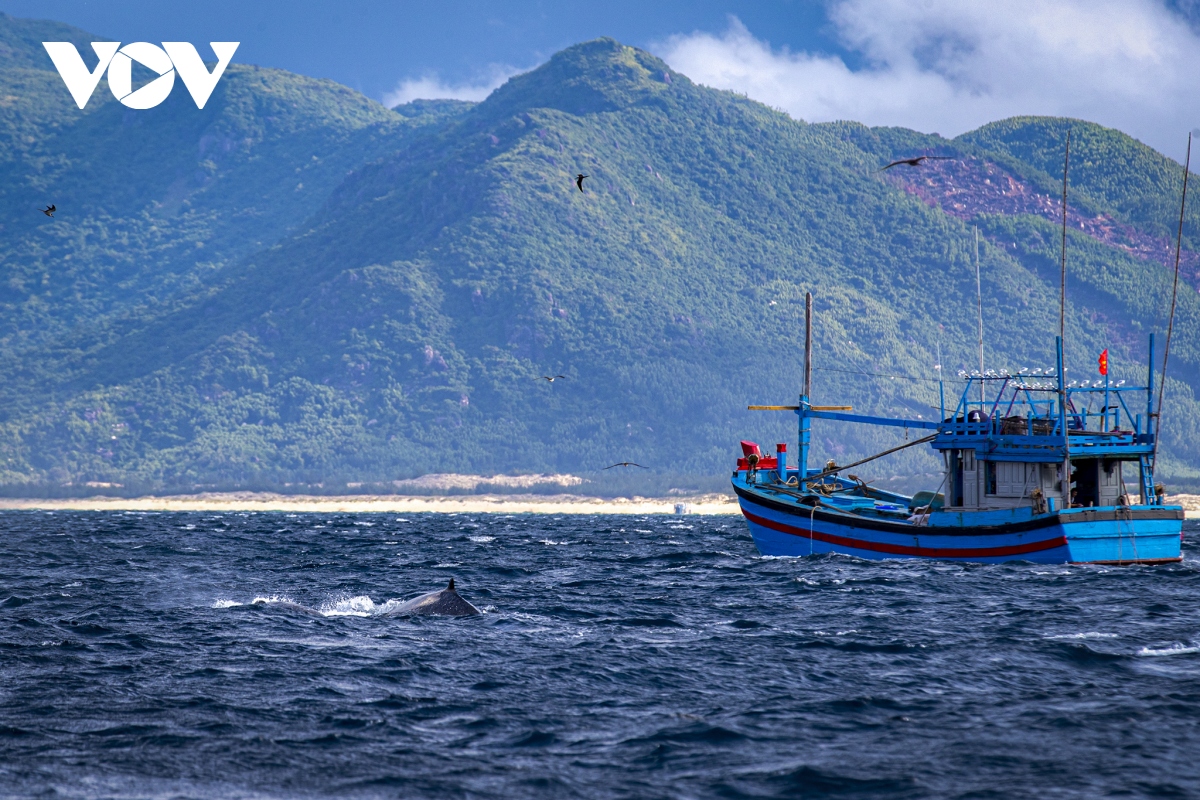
x=991 y=477
x=969 y=460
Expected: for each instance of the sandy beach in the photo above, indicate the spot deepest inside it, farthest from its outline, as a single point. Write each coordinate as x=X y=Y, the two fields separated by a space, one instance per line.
x=389 y=504
x=401 y=504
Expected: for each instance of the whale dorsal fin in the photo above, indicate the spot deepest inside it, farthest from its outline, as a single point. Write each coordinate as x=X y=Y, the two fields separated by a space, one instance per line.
x=451 y=586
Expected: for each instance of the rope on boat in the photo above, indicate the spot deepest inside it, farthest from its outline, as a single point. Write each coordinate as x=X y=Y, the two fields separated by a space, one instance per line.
x=800 y=495
x=837 y=469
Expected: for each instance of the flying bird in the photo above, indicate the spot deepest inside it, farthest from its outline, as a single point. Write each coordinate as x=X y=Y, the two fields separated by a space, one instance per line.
x=624 y=464
x=579 y=181
x=550 y=378
x=49 y=210
x=916 y=162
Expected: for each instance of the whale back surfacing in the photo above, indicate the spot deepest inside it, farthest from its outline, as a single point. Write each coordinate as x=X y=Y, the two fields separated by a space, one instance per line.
x=445 y=603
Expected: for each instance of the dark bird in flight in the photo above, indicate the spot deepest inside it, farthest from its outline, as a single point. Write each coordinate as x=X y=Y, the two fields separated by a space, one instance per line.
x=579 y=181
x=49 y=210
x=916 y=162
x=624 y=464
x=552 y=379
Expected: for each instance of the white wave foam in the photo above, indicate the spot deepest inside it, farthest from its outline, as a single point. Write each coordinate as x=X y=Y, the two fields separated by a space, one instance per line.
x=550 y=542
x=1088 y=635
x=1173 y=650
x=482 y=539
x=275 y=598
x=357 y=606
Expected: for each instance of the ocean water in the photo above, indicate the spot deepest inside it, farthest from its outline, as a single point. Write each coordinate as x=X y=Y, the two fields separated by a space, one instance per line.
x=251 y=655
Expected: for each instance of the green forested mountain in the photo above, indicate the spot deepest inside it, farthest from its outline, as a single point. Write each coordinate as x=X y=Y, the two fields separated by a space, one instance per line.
x=298 y=285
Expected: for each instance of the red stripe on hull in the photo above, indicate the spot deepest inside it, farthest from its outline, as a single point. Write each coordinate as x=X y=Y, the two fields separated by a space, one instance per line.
x=906 y=550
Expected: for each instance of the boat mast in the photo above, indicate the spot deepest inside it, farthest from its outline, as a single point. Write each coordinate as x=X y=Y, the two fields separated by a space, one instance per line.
x=806 y=397
x=1062 y=339
x=1162 y=384
x=979 y=305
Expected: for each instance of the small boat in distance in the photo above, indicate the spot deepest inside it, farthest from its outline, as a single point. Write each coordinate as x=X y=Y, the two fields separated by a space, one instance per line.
x=1036 y=473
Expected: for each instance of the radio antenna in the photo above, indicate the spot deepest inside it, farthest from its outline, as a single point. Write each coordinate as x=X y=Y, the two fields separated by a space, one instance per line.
x=1062 y=299
x=979 y=306
x=1062 y=339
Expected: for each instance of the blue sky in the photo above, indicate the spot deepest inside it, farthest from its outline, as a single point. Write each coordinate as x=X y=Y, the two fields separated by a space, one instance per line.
x=934 y=65
x=373 y=46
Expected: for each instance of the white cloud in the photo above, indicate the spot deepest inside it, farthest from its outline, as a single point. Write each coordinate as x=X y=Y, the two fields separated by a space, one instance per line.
x=952 y=65
x=431 y=87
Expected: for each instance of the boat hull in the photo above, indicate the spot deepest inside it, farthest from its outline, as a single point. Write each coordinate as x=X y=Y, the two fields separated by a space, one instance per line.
x=1131 y=535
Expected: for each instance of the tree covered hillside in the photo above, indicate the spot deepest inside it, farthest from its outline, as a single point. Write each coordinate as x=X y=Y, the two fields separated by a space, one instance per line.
x=298 y=285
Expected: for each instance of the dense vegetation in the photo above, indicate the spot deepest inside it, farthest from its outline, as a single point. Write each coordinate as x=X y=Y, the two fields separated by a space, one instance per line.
x=297 y=285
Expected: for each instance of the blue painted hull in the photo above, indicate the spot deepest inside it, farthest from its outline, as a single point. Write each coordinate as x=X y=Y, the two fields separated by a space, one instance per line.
x=1131 y=535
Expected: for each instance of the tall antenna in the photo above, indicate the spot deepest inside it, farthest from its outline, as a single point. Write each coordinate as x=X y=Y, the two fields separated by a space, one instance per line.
x=1162 y=384
x=1062 y=339
x=940 y=379
x=1062 y=302
x=979 y=304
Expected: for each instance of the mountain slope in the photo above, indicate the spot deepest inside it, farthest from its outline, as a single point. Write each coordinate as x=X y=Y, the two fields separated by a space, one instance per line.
x=149 y=204
x=401 y=328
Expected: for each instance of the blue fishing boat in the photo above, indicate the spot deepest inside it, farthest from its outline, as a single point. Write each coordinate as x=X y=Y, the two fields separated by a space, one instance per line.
x=1035 y=473
x=1034 y=469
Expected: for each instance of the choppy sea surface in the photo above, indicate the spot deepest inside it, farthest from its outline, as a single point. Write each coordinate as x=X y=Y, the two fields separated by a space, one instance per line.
x=252 y=655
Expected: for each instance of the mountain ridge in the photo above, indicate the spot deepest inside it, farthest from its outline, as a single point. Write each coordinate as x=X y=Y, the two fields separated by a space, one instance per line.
x=408 y=311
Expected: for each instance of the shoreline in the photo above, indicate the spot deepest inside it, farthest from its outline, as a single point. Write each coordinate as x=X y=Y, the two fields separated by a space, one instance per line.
x=388 y=504
x=716 y=504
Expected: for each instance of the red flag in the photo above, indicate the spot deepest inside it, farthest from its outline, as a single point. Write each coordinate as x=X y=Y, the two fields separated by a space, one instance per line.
x=1103 y=361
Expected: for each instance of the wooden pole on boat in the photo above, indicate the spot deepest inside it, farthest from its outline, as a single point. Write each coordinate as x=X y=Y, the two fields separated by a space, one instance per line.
x=1062 y=338
x=806 y=398
x=1162 y=383
x=808 y=344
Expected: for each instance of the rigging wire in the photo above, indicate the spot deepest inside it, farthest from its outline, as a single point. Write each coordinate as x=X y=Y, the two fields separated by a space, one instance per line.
x=876 y=374
x=1174 y=290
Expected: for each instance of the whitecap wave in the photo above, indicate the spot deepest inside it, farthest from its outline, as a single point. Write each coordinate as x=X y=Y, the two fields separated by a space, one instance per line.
x=357 y=606
x=1088 y=635
x=482 y=539
x=1173 y=650
x=274 y=600
x=222 y=603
